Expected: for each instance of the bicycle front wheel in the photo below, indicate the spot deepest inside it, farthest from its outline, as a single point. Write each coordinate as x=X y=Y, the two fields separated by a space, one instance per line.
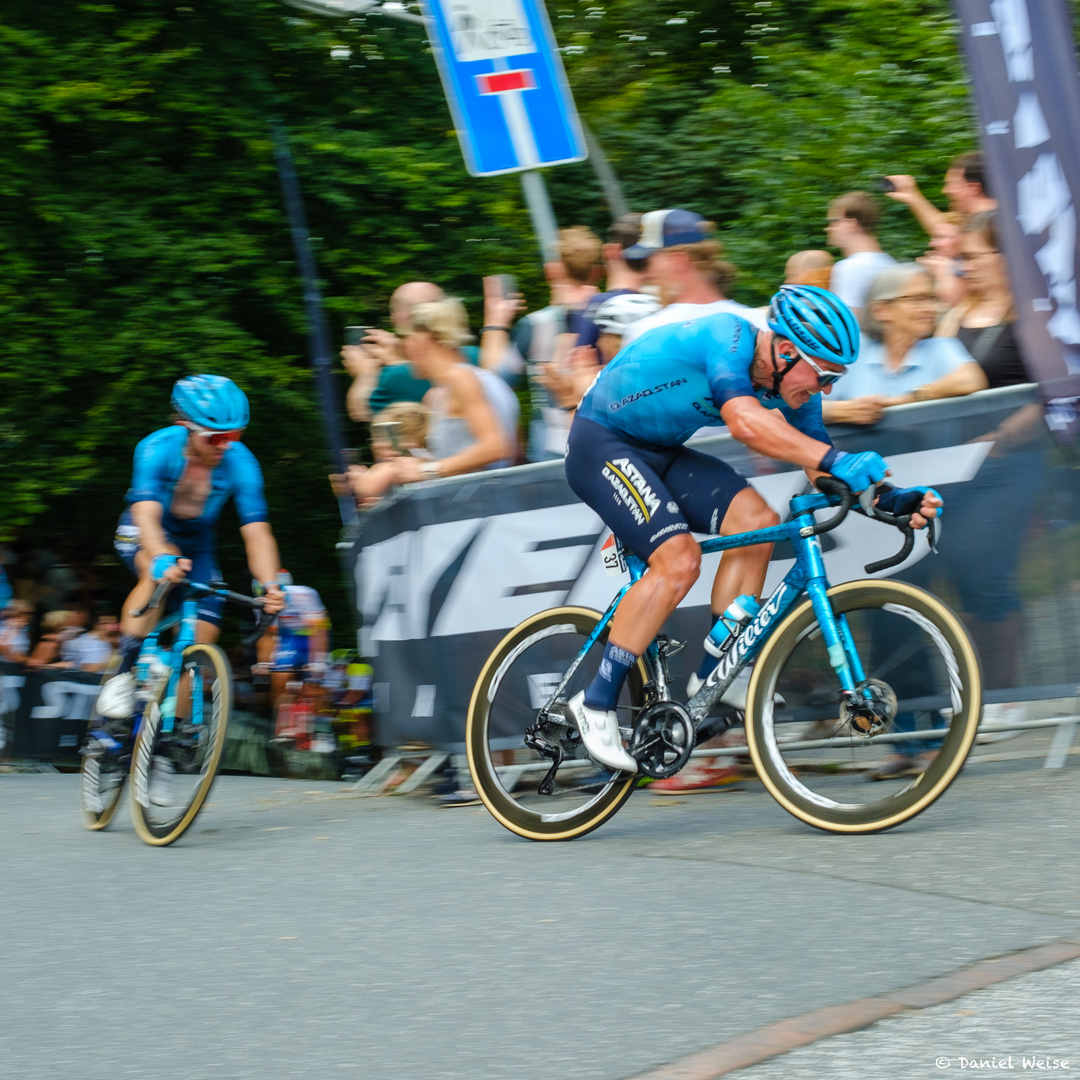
x=876 y=766
x=516 y=780
x=104 y=769
x=172 y=772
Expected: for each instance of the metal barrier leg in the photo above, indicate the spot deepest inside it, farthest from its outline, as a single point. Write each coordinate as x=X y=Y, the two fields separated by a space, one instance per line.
x=421 y=773
x=1062 y=741
x=373 y=782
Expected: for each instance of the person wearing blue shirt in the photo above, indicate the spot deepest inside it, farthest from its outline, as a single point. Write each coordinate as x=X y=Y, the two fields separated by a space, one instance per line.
x=897 y=354
x=626 y=459
x=183 y=476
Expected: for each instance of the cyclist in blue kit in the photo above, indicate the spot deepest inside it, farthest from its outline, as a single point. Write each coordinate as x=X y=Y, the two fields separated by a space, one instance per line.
x=626 y=459
x=183 y=476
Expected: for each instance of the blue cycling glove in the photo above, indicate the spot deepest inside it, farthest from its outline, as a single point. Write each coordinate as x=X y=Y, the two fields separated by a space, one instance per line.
x=160 y=564
x=858 y=471
x=905 y=500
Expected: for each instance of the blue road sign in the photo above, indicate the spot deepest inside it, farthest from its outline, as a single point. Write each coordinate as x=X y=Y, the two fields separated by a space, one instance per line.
x=505 y=84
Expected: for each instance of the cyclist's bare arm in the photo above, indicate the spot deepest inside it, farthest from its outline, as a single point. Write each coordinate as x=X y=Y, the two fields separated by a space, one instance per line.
x=263 y=560
x=146 y=516
x=767 y=432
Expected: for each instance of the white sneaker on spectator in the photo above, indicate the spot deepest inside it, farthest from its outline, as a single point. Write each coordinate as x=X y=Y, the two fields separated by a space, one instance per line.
x=1004 y=713
x=116 y=701
x=600 y=734
x=162 y=772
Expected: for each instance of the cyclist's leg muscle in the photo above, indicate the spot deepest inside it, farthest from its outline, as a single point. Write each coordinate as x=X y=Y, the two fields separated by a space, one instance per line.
x=673 y=569
x=743 y=570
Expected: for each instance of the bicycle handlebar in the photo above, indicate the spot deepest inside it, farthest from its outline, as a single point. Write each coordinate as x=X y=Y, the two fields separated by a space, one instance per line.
x=162 y=587
x=830 y=485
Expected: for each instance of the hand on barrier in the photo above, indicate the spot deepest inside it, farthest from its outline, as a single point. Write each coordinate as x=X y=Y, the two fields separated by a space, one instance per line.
x=858 y=471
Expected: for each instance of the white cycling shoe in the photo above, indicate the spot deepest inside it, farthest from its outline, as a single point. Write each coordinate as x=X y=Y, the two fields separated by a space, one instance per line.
x=117 y=698
x=600 y=734
x=162 y=772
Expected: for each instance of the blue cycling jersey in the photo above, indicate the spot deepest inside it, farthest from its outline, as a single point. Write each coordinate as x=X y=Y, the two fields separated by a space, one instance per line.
x=160 y=462
x=674 y=379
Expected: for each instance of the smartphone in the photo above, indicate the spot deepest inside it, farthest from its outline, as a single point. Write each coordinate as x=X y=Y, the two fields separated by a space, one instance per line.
x=350 y=455
x=508 y=285
x=354 y=335
x=885 y=184
x=387 y=431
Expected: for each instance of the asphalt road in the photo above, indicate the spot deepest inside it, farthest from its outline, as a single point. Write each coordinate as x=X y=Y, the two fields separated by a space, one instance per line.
x=300 y=932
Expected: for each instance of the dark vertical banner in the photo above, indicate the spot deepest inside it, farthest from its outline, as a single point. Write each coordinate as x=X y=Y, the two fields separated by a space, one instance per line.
x=1027 y=94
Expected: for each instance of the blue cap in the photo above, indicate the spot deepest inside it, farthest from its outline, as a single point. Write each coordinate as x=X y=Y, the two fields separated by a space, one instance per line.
x=664 y=229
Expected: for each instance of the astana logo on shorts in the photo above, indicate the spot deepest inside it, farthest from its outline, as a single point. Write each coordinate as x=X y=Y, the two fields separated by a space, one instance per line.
x=627 y=471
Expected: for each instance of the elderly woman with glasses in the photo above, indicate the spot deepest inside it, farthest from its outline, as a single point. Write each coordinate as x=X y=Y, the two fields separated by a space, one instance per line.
x=898 y=352
x=983 y=321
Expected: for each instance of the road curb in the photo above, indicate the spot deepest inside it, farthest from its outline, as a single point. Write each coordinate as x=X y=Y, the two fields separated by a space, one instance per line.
x=769 y=1041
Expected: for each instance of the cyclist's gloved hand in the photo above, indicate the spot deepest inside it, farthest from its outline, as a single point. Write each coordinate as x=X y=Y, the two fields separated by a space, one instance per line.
x=906 y=500
x=160 y=564
x=858 y=471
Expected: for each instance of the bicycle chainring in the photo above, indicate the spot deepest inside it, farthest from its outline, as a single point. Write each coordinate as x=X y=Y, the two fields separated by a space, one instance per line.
x=662 y=740
x=871 y=710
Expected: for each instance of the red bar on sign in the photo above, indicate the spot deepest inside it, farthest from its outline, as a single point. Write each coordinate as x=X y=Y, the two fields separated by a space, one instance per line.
x=498 y=82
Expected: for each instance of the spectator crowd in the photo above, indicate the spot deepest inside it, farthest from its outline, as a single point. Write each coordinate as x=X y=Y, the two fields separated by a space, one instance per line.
x=441 y=402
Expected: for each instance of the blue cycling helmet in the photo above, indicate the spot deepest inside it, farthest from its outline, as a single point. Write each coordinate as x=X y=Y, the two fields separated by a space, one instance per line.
x=212 y=402
x=817 y=321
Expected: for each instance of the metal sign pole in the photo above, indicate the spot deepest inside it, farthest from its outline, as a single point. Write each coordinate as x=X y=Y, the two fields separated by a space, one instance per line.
x=318 y=337
x=543 y=217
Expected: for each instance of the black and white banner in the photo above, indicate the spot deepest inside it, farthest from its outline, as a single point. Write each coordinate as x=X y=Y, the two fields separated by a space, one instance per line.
x=43 y=713
x=444 y=571
x=1027 y=93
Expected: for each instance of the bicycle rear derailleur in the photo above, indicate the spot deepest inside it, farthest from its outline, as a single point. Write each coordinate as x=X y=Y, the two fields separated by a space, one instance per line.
x=547 y=737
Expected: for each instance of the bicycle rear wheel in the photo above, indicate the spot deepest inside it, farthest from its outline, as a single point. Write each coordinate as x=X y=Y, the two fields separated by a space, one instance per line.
x=874 y=768
x=172 y=773
x=514 y=685
x=104 y=770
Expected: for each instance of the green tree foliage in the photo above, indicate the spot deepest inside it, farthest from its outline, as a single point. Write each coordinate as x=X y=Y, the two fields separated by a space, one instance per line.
x=143 y=233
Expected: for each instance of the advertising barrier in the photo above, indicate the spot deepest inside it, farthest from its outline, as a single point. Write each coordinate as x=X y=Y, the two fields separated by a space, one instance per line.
x=445 y=569
x=43 y=714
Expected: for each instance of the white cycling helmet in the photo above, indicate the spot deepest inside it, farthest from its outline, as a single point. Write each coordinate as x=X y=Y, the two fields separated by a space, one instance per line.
x=616 y=313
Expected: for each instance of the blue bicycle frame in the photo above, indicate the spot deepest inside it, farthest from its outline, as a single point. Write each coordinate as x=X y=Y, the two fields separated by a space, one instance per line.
x=807 y=575
x=172 y=657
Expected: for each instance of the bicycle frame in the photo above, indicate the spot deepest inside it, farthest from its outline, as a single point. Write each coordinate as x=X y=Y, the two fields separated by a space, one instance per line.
x=806 y=576
x=172 y=657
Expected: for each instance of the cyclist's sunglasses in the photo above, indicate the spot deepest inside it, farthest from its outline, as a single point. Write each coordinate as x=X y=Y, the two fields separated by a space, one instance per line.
x=824 y=378
x=217 y=439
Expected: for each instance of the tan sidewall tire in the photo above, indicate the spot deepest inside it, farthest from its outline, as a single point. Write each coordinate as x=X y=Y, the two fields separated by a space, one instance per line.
x=498 y=803
x=962 y=731
x=92 y=820
x=221 y=667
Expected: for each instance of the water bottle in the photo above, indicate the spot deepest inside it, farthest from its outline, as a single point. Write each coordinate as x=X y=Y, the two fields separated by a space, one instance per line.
x=728 y=627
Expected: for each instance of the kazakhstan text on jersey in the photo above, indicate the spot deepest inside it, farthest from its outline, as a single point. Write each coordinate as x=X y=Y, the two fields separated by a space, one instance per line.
x=673 y=380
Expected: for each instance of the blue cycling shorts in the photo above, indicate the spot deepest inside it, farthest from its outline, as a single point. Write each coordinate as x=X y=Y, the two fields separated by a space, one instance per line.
x=648 y=494
x=291 y=653
x=197 y=544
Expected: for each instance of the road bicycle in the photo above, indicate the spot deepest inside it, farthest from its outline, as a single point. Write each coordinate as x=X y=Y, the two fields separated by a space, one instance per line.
x=183 y=695
x=841 y=676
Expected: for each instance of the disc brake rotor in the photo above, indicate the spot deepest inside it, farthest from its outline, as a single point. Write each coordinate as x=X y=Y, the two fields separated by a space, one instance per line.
x=871 y=711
